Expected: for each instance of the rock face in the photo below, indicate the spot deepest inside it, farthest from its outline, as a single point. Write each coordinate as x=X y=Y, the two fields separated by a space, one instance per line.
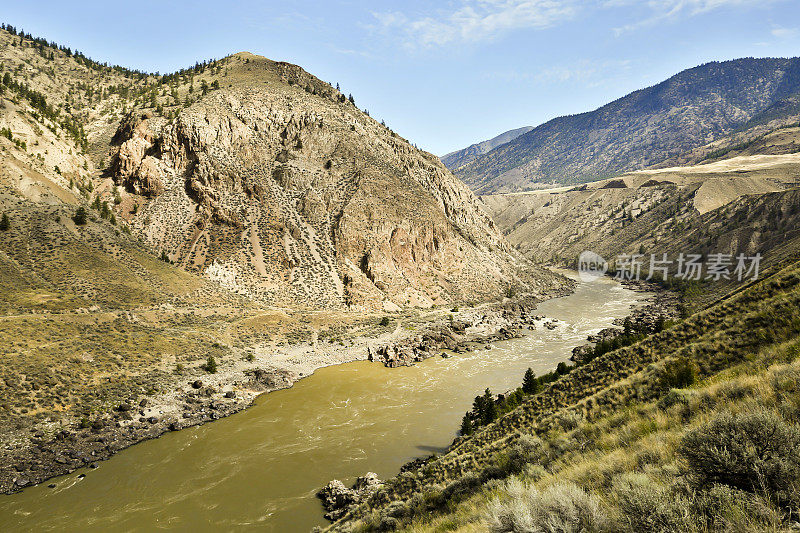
x=645 y=128
x=337 y=498
x=293 y=195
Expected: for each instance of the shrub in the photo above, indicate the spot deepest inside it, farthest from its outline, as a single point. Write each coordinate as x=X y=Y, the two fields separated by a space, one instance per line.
x=679 y=373
x=673 y=397
x=528 y=449
x=729 y=509
x=211 y=365
x=569 y=420
x=755 y=451
x=384 y=321
x=462 y=488
x=5 y=223
x=648 y=506
x=564 y=507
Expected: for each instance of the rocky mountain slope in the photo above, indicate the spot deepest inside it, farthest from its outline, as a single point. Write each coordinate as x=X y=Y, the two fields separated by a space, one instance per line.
x=745 y=204
x=461 y=157
x=279 y=188
x=649 y=127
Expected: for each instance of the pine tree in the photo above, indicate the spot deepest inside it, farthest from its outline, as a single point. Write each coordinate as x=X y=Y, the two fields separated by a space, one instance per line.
x=466 y=425
x=530 y=385
x=489 y=408
x=477 y=407
x=627 y=326
x=5 y=223
x=80 y=216
x=211 y=365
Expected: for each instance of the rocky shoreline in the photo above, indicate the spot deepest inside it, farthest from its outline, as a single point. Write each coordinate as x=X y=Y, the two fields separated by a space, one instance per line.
x=195 y=399
x=474 y=327
x=661 y=306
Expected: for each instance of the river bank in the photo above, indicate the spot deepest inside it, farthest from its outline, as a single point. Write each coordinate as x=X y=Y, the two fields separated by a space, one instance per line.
x=194 y=397
x=648 y=314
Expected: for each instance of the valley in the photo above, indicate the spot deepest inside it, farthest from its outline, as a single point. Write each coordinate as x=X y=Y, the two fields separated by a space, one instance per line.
x=174 y=246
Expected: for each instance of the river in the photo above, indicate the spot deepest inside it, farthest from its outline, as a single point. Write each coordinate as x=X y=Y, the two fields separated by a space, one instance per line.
x=260 y=468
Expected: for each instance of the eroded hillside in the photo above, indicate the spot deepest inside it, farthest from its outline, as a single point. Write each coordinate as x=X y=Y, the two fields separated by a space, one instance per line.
x=286 y=192
x=746 y=204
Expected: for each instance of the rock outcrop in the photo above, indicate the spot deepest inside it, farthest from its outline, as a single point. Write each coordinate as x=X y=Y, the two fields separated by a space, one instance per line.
x=337 y=498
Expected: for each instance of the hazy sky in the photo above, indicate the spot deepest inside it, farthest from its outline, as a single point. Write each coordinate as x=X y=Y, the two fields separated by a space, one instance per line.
x=442 y=74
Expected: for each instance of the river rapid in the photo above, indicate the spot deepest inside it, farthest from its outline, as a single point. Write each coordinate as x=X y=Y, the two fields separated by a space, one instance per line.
x=260 y=469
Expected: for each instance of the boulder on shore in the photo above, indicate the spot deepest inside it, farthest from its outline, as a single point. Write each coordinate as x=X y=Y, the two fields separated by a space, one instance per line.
x=337 y=498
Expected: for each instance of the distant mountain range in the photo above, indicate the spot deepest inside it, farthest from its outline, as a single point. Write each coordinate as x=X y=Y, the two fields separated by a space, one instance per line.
x=461 y=157
x=644 y=129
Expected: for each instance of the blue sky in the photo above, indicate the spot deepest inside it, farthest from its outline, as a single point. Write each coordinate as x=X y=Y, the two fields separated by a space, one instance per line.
x=442 y=74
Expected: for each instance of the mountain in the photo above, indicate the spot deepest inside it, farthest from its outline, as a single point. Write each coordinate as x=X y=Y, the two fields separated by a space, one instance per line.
x=257 y=176
x=641 y=130
x=280 y=188
x=460 y=158
x=746 y=203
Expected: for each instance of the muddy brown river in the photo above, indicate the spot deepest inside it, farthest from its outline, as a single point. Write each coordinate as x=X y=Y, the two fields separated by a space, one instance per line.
x=259 y=469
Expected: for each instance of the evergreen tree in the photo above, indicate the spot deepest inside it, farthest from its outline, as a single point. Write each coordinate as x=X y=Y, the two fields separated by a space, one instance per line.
x=5 y=223
x=80 y=216
x=628 y=326
x=466 y=425
x=211 y=365
x=477 y=407
x=489 y=413
x=530 y=385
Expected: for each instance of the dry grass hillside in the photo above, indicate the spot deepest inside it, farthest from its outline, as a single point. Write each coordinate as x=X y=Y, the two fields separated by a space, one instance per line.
x=695 y=428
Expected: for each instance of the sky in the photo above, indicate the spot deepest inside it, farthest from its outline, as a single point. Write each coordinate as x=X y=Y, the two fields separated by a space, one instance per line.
x=442 y=74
